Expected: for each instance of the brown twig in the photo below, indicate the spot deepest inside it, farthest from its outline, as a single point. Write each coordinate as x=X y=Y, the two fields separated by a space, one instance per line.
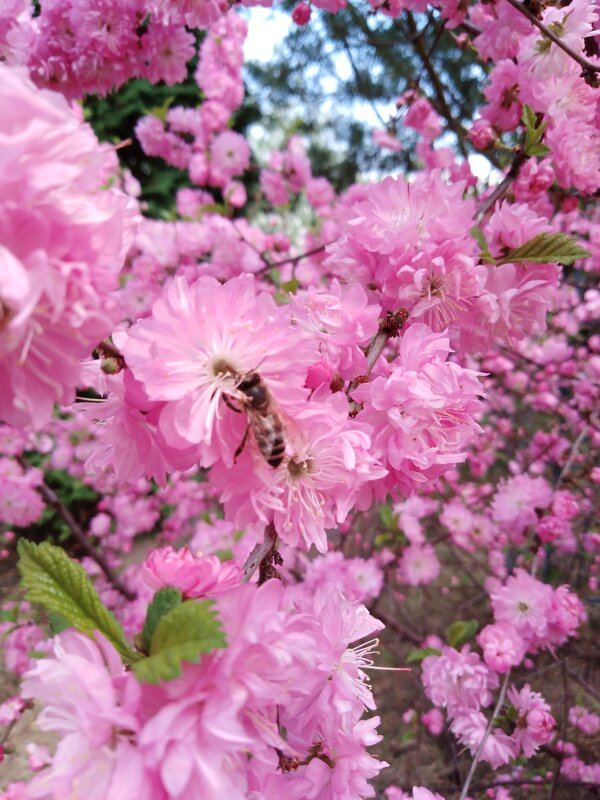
x=589 y=69
x=488 y=730
x=389 y=327
x=54 y=500
x=403 y=632
x=575 y=450
x=441 y=102
x=583 y=683
x=502 y=187
x=558 y=766
x=262 y=553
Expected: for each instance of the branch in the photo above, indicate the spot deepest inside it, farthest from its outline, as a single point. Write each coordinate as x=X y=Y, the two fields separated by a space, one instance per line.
x=389 y=327
x=488 y=730
x=583 y=683
x=54 y=500
x=589 y=68
x=295 y=259
x=292 y=259
x=575 y=450
x=502 y=187
x=444 y=109
x=262 y=554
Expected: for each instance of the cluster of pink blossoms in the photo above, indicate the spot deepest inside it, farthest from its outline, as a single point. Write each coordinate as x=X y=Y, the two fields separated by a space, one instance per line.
x=529 y=615
x=197 y=139
x=63 y=241
x=276 y=712
x=209 y=299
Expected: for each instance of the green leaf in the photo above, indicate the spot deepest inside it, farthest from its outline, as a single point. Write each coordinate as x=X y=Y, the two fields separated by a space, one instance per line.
x=388 y=518
x=416 y=656
x=533 y=132
x=58 y=623
x=61 y=585
x=461 y=631
x=484 y=254
x=547 y=248
x=291 y=285
x=538 y=149
x=184 y=634
x=163 y=601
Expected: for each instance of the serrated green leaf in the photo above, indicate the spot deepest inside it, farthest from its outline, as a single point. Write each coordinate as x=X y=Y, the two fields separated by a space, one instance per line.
x=58 y=623
x=537 y=149
x=163 y=601
x=416 y=656
x=184 y=634
x=528 y=117
x=546 y=248
x=291 y=285
x=461 y=631
x=58 y=583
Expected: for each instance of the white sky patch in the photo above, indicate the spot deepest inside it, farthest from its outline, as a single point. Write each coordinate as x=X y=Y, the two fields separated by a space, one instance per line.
x=267 y=27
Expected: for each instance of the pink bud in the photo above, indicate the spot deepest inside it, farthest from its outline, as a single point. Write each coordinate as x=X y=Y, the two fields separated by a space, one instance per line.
x=301 y=14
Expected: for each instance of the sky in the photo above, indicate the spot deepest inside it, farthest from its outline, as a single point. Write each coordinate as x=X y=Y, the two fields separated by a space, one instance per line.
x=268 y=26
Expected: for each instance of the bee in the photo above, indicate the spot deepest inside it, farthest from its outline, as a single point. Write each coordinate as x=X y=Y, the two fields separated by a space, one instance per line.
x=263 y=417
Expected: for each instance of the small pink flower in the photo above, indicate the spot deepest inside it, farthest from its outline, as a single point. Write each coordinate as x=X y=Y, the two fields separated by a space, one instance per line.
x=502 y=647
x=194 y=576
x=301 y=14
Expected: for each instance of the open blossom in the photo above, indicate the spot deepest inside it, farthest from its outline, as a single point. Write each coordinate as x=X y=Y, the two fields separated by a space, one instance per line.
x=502 y=647
x=535 y=724
x=92 y=702
x=342 y=319
x=514 y=504
x=199 y=343
x=524 y=604
x=422 y=410
x=326 y=471
x=54 y=306
x=458 y=681
x=572 y=25
x=129 y=438
x=20 y=503
x=419 y=565
x=470 y=726
x=193 y=575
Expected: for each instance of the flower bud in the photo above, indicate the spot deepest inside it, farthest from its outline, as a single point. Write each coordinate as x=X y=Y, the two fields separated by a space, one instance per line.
x=301 y=14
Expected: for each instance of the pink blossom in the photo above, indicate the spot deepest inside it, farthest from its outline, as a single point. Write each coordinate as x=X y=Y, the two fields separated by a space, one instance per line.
x=423 y=410
x=96 y=718
x=194 y=576
x=433 y=721
x=385 y=140
x=418 y=565
x=470 y=726
x=535 y=724
x=193 y=351
x=53 y=287
x=458 y=681
x=524 y=604
x=326 y=472
x=514 y=504
x=502 y=647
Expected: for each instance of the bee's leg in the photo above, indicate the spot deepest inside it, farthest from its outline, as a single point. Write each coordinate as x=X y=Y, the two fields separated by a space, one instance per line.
x=230 y=405
x=242 y=444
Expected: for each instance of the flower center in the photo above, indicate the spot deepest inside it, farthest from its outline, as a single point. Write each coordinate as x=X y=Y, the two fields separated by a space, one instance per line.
x=298 y=469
